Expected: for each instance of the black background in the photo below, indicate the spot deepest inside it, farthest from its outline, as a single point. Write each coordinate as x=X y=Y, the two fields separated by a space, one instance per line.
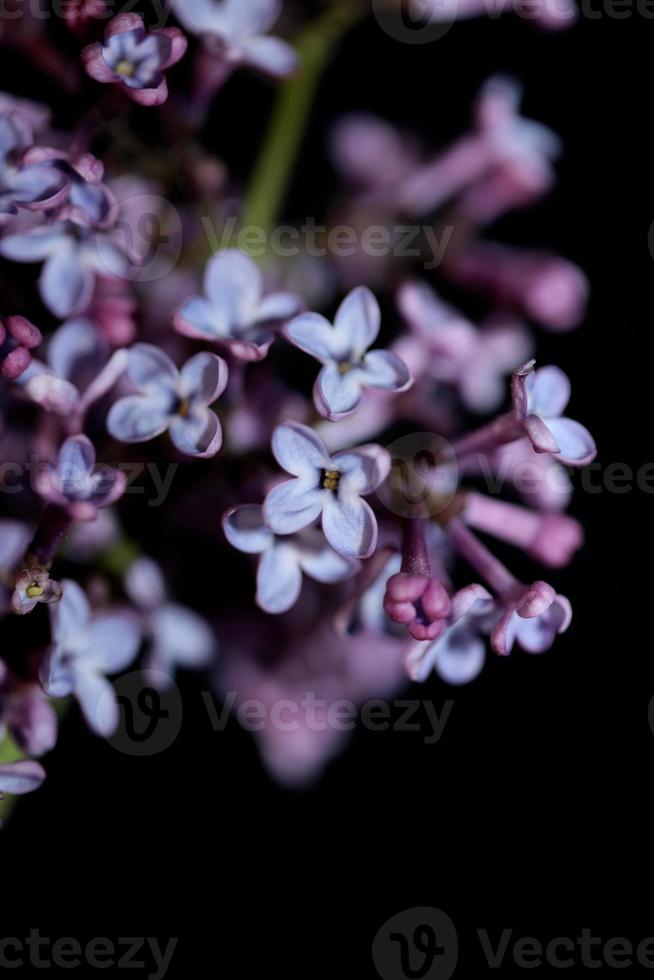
x=534 y=811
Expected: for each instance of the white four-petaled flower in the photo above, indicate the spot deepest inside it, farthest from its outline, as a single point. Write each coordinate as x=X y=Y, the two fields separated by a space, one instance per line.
x=284 y=559
x=539 y=399
x=327 y=486
x=348 y=366
x=171 y=399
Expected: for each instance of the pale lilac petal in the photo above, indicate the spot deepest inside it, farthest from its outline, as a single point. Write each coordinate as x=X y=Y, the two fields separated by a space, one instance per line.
x=548 y=391
x=362 y=469
x=251 y=18
x=315 y=335
x=72 y=346
x=75 y=461
x=504 y=632
x=419 y=660
x=66 y=283
x=279 y=578
x=204 y=378
x=299 y=450
x=326 y=565
x=245 y=529
x=72 y=614
x=181 y=637
x=94 y=62
x=33 y=246
x=279 y=306
x=21 y=777
x=541 y=434
x=576 y=446
x=97 y=700
x=292 y=505
x=123 y=24
x=56 y=672
x=198 y=16
x=178 y=45
x=460 y=656
x=538 y=633
x=144 y=583
x=234 y=284
x=149 y=96
x=14 y=539
x=383 y=369
x=198 y=318
x=358 y=320
x=151 y=369
x=112 y=642
x=198 y=434
x=270 y=54
x=471 y=599
x=335 y=394
x=138 y=418
x=350 y=525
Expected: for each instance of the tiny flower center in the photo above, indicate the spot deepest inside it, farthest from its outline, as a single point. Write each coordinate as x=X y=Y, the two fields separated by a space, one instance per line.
x=184 y=408
x=34 y=591
x=330 y=479
x=344 y=367
x=125 y=68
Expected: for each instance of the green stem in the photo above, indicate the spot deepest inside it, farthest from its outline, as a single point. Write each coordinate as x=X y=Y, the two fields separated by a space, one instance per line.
x=9 y=752
x=272 y=174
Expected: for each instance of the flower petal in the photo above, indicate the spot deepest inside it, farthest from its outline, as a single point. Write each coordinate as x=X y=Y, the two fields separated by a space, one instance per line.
x=199 y=434
x=234 y=285
x=460 y=656
x=34 y=245
x=363 y=469
x=97 y=700
x=151 y=369
x=270 y=54
x=299 y=450
x=336 y=395
x=540 y=434
x=326 y=565
x=292 y=505
x=204 y=378
x=315 y=335
x=246 y=530
x=384 y=369
x=576 y=445
x=21 y=777
x=181 y=637
x=548 y=391
x=279 y=306
x=66 y=283
x=198 y=318
x=350 y=525
x=279 y=578
x=358 y=320
x=138 y=418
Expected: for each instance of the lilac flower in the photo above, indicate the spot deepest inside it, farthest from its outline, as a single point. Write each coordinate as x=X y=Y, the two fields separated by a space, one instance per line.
x=452 y=351
x=236 y=29
x=235 y=312
x=85 y=648
x=72 y=256
x=32 y=586
x=168 y=399
x=21 y=184
x=21 y=777
x=419 y=602
x=533 y=619
x=135 y=59
x=348 y=366
x=18 y=337
x=459 y=654
x=89 y=202
x=27 y=714
x=284 y=559
x=75 y=485
x=179 y=637
x=327 y=486
x=539 y=398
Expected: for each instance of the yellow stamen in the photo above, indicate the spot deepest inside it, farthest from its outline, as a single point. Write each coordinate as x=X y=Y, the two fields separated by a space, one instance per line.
x=34 y=591
x=184 y=408
x=125 y=68
x=344 y=367
x=331 y=479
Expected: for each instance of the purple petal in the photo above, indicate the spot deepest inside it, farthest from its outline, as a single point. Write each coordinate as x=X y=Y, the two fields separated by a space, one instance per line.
x=73 y=346
x=363 y=469
x=279 y=306
x=460 y=656
x=279 y=579
x=14 y=539
x=270 y=54
x=75 y=461
x=292 y=505
x=315 y=335
x=149 y=96
x=299 y=450
x=336 y=395
x=253 y=17
x=197 y=317
x=97 y=700
x=204 y=378
x=181 y=637
x=112 y=642
x=350 y=526
x=35 y=245
x=548 y=392
x=72 y=615
x=21 y=777
x=151 y=369
x=540 y=434
x=245 y=529
x=144 y=583
x=96 y=65
x=234 y=285
x=576 y=446
x=66 y=283
x=358 y=320
x=198 y=434
x=139 y=418
x=199 y=16
x=326 y=565
x=383 y=369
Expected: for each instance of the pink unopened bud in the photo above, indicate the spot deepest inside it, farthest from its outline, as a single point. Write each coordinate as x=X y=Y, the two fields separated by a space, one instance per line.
x=15 y=363
x=23 y=332
x=418 y=602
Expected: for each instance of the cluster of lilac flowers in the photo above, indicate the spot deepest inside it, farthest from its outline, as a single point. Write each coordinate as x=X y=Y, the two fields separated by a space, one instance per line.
x=348 y=501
